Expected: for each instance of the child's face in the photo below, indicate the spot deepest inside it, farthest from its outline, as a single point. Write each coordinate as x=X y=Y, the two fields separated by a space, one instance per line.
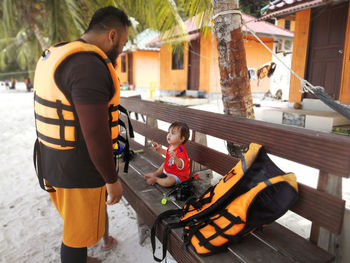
x=174 y=136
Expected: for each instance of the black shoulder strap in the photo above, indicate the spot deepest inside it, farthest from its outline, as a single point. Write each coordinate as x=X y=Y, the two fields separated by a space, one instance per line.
x=167 y=214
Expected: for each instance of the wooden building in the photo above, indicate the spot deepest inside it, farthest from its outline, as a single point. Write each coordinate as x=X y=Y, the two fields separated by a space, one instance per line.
x=194 y=65
x=138 y=65
x=321 y=50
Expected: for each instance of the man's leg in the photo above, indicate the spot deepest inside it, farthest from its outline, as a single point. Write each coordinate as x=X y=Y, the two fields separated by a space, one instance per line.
x=73 y=255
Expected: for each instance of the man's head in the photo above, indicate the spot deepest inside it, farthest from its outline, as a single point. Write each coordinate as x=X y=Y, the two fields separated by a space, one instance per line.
x=110 y=25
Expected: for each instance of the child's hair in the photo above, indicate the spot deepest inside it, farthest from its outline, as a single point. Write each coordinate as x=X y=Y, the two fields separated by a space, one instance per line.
x=184 y=130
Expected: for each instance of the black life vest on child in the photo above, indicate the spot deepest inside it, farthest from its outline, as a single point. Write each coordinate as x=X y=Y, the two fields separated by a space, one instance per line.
x=254 y=193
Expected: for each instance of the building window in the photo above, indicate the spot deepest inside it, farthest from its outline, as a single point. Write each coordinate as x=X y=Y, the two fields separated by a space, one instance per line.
x=287 y=24
x=123 y=66
x=177 y=59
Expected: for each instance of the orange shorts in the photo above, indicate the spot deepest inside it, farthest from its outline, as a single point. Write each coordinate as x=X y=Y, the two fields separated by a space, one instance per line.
x=83 y=211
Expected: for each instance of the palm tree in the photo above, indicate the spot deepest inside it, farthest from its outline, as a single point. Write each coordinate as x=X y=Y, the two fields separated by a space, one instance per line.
x=30 y=26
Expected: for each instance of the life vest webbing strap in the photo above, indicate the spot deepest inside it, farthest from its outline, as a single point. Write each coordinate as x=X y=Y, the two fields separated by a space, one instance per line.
x=123 y=110
x=61 y=123
x=54 y=121
x=55 y=141
x=38 y=169
x=164 y=215
x=52 y=104
x=244 y=164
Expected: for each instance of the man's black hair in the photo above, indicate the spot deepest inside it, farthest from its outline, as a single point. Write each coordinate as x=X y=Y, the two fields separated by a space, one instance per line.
x=107 y=18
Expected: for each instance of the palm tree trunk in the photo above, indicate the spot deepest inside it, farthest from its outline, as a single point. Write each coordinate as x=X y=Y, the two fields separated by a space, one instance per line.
x=39 y=36
x=235 y=86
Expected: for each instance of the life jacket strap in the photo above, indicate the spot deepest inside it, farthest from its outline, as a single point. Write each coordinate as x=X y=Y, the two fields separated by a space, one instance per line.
x=56 y=141
x=168 y=227
x=61 y=122
x=38 y=169
x=123 y=110
x=52 y=104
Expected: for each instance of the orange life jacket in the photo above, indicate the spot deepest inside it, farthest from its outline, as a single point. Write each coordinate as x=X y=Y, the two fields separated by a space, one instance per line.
x=254 y=193
x=60 y=147
x=56 y=122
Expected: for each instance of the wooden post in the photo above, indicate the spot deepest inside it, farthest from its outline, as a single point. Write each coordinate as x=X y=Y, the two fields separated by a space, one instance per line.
x=203 y=172
x=325 y=239
x=151 y=122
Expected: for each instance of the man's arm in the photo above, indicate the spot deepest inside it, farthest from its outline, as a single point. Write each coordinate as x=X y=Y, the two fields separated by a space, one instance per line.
x=94 y=124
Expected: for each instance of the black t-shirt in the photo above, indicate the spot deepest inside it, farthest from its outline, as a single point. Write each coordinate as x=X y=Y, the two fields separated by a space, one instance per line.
x=84 y=78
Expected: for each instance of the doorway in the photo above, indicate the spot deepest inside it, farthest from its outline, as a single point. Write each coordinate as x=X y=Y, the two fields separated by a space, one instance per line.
x=326 y=48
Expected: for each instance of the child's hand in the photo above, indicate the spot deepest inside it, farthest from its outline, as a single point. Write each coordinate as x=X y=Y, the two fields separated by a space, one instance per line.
x=152 y=180
x=149 y=175
x=156 y=146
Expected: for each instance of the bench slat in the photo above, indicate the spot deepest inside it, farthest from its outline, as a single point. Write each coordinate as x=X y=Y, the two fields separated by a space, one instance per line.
x=327 y=152
x=289 y=243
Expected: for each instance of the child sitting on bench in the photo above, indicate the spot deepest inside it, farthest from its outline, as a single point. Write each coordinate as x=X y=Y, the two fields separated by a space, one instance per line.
x=176 y=167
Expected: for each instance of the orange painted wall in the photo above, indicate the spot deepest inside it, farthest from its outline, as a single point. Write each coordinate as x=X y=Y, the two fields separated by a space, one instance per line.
x=281 y=22
x=123 y=76
x=344 y=95
x=301 y=35
x=257 y=55
x=205 y=59
x=209 y=77
x=145 y=68
x=172 y=79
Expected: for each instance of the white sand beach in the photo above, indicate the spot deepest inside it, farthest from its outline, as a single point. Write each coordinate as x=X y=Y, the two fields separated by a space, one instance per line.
x=30 y=225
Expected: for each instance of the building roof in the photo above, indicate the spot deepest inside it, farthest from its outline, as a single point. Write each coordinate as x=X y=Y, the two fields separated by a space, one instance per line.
x=262 y=28
x=193 y=25
x=141 y=40
x=280 y=8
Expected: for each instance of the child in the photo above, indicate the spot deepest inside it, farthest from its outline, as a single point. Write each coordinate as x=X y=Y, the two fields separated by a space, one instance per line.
x=176 y=166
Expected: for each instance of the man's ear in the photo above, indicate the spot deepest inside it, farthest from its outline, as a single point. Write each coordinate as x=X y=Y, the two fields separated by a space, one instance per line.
x=112 y=35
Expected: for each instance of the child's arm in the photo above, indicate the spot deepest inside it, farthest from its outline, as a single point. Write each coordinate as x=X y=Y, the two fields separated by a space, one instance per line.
x=178 y=161
x=159 y=148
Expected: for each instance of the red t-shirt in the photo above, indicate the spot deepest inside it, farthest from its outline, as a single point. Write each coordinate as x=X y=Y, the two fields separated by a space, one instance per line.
x=170 y=166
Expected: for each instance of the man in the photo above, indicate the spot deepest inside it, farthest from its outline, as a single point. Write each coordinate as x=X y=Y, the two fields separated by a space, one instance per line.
x=76 y=112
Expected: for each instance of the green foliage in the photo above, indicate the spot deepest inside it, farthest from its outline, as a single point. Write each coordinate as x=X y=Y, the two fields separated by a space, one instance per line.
x=252 y=7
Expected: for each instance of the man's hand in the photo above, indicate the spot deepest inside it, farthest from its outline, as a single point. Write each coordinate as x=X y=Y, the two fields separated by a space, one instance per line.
x=115 y=192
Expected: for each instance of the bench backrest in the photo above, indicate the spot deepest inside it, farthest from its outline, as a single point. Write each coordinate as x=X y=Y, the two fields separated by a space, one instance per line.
x=330 y=153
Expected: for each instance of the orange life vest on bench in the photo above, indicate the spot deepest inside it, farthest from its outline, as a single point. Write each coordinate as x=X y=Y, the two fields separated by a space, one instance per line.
x=254 y=193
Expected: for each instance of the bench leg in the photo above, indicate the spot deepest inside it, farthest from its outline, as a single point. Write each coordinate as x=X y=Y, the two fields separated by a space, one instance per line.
x=143 y=229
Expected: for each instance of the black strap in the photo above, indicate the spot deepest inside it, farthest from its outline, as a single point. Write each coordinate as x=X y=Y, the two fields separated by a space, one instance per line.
x=54 y=121
x=131 y=129
x=168 y=227
x=38 y=169
x=55 y=141
x=52 y=104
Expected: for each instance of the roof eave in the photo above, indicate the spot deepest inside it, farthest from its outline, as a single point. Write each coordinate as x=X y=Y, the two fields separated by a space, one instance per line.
x=293 y=9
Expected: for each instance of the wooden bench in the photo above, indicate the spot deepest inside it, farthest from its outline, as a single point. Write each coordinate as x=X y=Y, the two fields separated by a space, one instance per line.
x=329 y=153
